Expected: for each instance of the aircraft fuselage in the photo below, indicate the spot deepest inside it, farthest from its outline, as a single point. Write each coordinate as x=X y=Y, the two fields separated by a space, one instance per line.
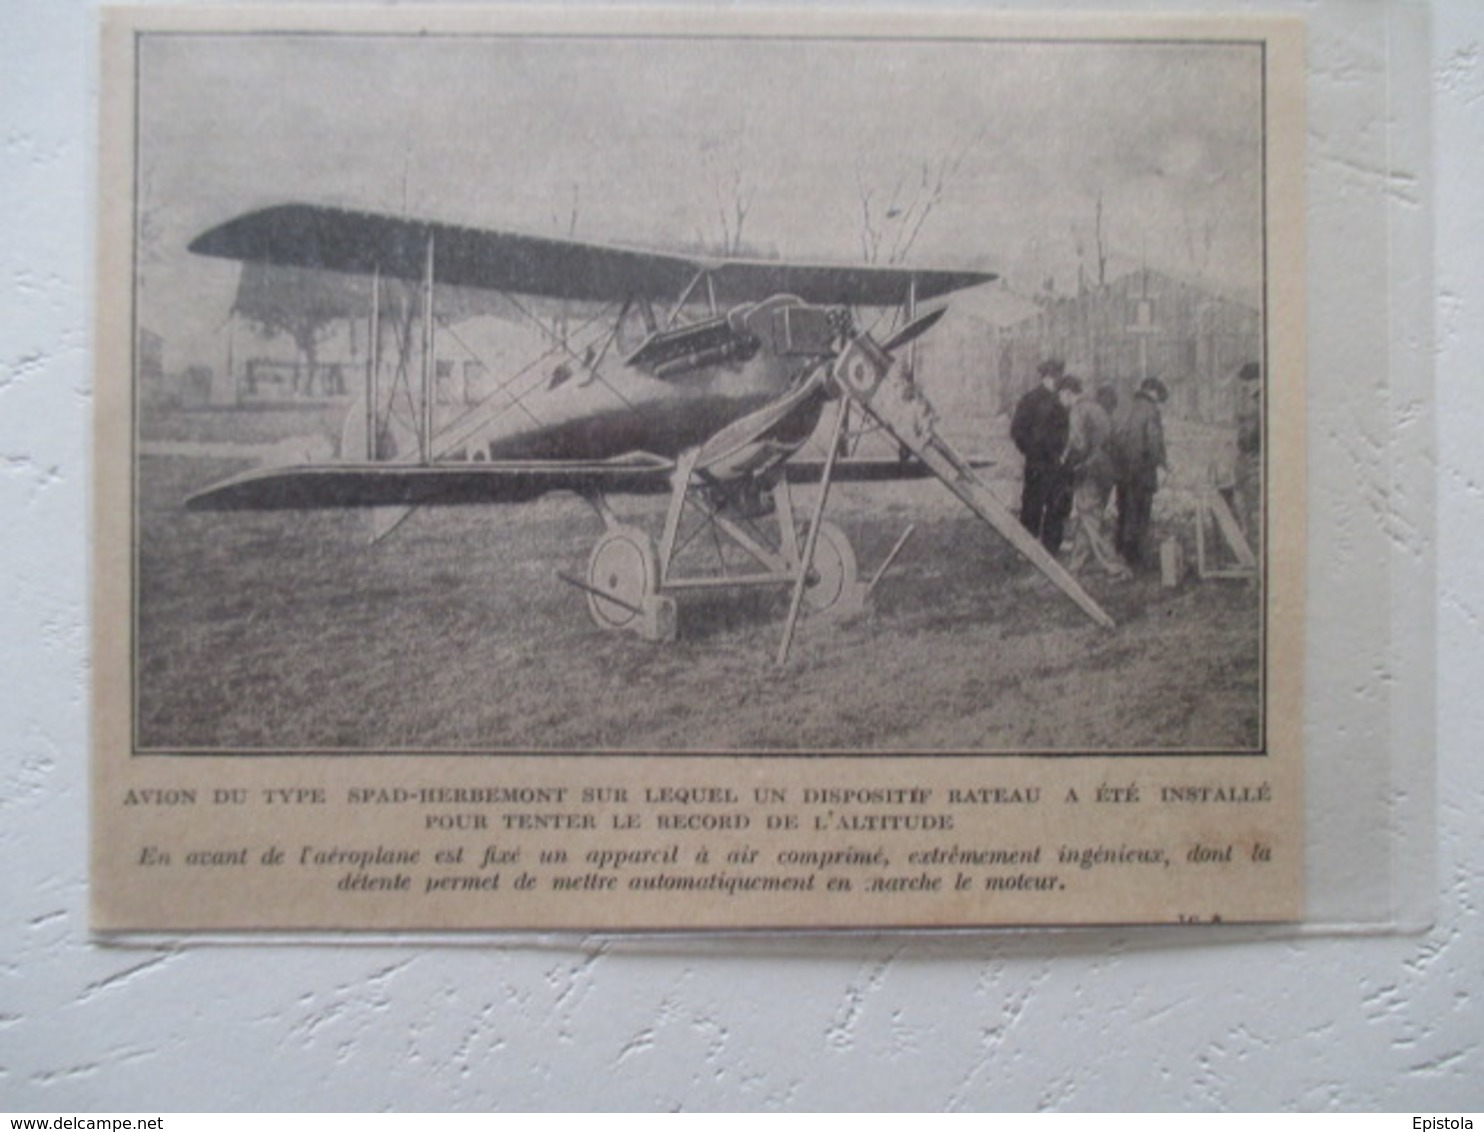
x=681 y=390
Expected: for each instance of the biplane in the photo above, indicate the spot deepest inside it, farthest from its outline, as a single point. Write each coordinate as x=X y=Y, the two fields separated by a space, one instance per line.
x=700 y=378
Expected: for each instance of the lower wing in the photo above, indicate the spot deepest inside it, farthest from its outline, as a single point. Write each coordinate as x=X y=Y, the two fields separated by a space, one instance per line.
x=312 y=486
x=411 y=485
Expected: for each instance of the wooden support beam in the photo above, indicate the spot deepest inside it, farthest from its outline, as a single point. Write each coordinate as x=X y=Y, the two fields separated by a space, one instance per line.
x=1231 y=530
x=1212 y=512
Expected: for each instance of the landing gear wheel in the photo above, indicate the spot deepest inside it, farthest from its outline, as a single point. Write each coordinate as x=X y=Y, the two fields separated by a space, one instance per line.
x=832 y=581
x=623 y=564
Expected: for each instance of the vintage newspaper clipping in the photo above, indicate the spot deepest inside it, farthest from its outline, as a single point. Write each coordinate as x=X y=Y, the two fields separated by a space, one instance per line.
x=631 y=471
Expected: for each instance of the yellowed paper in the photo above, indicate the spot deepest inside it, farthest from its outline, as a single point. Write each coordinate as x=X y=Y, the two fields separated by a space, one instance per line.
x=467 y=380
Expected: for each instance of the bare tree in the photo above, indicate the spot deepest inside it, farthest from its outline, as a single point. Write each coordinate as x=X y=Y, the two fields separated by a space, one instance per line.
x=568 y=226
x=1102 y=244
x=892 y=222
x=1199 y=240
x=1100 y=248
x=1079 y=245
x=871 y=233
x=300 y=304
x=734 y=195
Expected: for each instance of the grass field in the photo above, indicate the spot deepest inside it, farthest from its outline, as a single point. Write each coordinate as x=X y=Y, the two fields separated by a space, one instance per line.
x=288 y=631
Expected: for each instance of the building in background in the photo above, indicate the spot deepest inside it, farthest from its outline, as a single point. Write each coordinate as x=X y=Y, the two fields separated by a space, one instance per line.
x=1142 y=324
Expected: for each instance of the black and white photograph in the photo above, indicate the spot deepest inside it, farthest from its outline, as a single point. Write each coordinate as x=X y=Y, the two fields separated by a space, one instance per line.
x=656 y=442
x=569 y=557
x=686 y=392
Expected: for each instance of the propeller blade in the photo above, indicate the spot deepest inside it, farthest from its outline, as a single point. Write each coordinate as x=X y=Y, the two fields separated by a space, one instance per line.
x=913 y=330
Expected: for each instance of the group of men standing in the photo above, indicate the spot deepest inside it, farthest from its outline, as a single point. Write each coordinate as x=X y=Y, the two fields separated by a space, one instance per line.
x=1080 y=449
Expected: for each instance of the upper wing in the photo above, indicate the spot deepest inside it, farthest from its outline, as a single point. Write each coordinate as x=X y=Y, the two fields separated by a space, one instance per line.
x=301 y=235
x=825 y=284
x=409 y=485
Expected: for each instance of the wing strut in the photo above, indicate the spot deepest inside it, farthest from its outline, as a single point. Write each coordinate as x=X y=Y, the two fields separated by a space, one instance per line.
x=911 y=318
x=703 y=273
x=426 y=433
x=373 y=368
x=386 y=519
x=806 y=562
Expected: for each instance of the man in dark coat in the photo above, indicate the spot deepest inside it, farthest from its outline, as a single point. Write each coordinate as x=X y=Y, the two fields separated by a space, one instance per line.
x=1139 y=454
x=1040 y=428
x=1248 y=468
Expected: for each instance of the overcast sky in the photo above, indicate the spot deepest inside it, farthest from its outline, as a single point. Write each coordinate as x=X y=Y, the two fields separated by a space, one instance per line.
x=640 y=138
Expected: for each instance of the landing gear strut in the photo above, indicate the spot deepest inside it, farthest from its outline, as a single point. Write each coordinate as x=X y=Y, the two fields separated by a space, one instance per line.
x=630 y=583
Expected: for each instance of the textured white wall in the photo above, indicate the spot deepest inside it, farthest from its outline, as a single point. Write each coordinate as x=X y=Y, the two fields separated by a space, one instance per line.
x=1082 y=1021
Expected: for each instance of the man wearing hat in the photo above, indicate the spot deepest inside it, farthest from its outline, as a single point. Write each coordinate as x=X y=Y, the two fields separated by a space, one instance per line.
x=1248 y=467
x=1091 y=463
x=1139 y=454
x=1039 y=428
